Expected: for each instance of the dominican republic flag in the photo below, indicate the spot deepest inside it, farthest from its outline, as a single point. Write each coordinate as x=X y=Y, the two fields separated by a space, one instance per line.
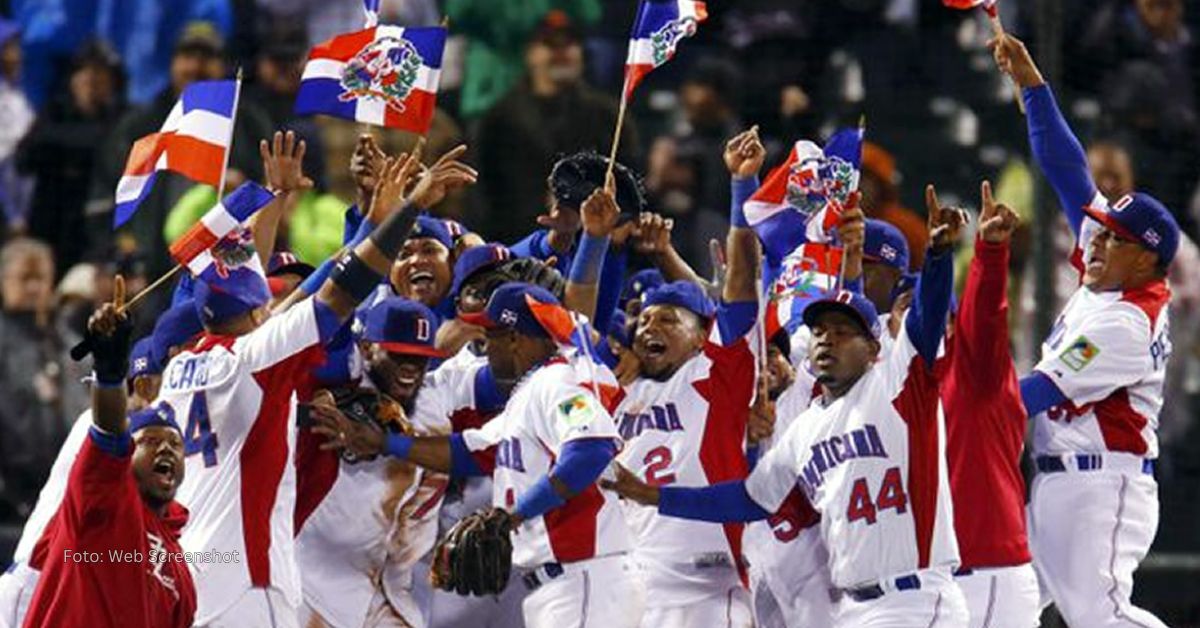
x=573 y=334
x=371 y=11
x=192 y=141
x=383 y=75
x=794 y=205
x=192 y=249
x=660 y=26
x=966 y=5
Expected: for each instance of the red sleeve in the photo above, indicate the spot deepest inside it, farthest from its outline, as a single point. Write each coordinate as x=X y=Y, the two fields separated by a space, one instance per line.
x=100 y=487
x=981 y=330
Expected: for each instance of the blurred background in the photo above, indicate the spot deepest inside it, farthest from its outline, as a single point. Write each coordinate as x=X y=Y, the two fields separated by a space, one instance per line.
x=525 y=81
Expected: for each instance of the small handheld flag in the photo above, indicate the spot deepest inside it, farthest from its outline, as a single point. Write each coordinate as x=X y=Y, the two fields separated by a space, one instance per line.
x=192 y=248
x=384 y=75
x=193 y=141
x=657 y=31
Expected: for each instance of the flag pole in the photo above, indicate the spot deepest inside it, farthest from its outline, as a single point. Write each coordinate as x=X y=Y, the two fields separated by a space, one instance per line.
x=998 y=30
x=237 y=92
x=862 y=126
x=616 y=141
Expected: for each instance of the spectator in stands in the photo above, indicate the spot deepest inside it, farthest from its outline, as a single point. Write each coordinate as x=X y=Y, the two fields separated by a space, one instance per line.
x=881 y=200
x=551 y=112
x=17 y=117
x=60 y=151
x=32 y=425
x=199 y=56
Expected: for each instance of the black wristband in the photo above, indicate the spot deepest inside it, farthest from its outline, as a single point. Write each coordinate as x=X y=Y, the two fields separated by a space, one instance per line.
x=389 y=237
x=110 y=354
x=354 y=276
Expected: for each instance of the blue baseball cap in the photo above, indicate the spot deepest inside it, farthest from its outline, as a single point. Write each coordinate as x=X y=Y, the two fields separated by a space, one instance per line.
x=477 y=259
x=850 y=303
x=142 y=361
x=618 y=327
x=156 y=415
x=220 y=296
x=884 y=243
x=435 y=228
x=400 y=325
x=684 y=294
x=1141 y=218
x=514 y=305
x=174 y=327
x=286 y=263
x=640 y=282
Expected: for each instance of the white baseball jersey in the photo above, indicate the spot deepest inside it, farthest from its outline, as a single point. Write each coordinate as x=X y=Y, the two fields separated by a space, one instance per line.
x=690 y=430
x=1107 y=353
x=235 y=398
x=548 y=408
x=873 y=464
x=371 y=521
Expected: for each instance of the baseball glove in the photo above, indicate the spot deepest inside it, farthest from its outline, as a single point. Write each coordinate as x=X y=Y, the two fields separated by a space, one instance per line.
x=475 y=556
x=369 y=407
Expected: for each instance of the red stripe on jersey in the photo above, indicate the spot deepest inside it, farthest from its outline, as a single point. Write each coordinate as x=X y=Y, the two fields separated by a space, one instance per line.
x=1150 y=298
x=320 y=473
x=572 y=528
x=1121 y=425
x=485 y=459
x=265 y=455
x=469 y=418
x=728 y=389
x=917 y=404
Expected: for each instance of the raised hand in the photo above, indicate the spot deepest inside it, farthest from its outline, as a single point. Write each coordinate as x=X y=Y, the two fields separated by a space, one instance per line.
x=945 y=223
x=392 y=183
x=599 y=211
x=282 y=162
x=1013 y=58
x=997 y=221
x=447 y=174
x=627 y=485
x=720 y=268
x=109 y=332
x=366 y=166
x=652 y=236
x=762 y=414
x=744 y=154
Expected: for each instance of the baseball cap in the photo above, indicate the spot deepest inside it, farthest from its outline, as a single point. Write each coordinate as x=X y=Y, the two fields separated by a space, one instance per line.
x=1141 y=218
x=141 y=359
x=200 y=38
x=884 y=243
x=179 y=324
x=556 y=29
x=286 y=263
x=640 y=282
x=400 y=325
x=523 y=307
x=850 y=303
x=477 y=259
x=430 y=227
x=156 y=415
x=684 y=294
x=618 y=327
x=220 y=296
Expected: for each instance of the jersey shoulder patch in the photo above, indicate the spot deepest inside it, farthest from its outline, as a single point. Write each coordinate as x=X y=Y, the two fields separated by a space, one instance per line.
x=577 y=410
x=1079 y=353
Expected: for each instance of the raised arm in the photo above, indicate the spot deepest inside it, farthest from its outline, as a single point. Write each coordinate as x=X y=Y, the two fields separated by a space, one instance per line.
x=982 y=324
x=926 y=320
x=744 y=155
x=109 y=331
x=282 y=160
x=1055 y=148
x=599 y=214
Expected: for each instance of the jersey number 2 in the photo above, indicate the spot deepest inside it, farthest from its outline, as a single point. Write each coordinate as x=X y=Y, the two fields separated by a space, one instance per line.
x=891 y=495
x=199 y=437
x=657 y=460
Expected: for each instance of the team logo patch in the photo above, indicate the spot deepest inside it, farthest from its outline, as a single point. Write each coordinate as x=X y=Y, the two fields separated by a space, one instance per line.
x=578 y=410
x=1079 y=354
x=385 y=69
x=666 y=39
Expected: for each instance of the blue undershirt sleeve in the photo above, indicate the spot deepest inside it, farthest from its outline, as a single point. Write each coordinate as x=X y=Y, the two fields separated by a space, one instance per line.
x=462 y=463
x=719 y=503
x=580 y=463
x=926 y=320
x=1039 y=393
x=1059 y=154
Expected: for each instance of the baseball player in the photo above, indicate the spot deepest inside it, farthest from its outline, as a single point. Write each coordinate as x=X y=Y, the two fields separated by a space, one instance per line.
x=868 y=455
x=363 y=523
x=1095 y=394
x=112 y=556
x=683 y=420
x=147 y=358
x=545 y=451
x=236 y=390
x=985 y=433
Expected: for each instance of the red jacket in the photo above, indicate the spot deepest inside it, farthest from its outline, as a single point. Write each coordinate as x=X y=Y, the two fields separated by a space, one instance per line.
x=106 y=559
x=985 y=420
